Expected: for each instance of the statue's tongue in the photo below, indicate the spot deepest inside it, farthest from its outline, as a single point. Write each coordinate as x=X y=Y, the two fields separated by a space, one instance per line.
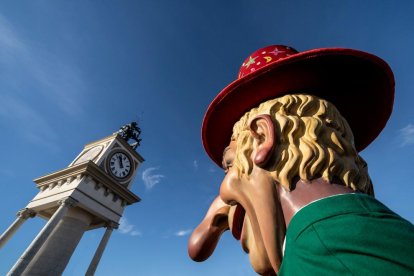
x=205 y=237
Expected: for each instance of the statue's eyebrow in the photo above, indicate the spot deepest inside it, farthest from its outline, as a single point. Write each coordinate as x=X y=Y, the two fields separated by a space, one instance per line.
x=225 y=150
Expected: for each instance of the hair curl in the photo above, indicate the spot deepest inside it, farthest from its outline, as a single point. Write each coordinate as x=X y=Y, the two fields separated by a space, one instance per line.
x=313 y=140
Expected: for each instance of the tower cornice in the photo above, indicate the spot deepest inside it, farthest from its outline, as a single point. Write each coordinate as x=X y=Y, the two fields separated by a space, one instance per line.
x=90 y=169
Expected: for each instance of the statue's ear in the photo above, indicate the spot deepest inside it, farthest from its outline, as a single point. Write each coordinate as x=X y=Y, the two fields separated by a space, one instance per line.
x=263 y=131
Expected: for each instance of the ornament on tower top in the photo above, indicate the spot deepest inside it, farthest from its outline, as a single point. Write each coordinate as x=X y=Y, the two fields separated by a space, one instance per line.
x=131 y=131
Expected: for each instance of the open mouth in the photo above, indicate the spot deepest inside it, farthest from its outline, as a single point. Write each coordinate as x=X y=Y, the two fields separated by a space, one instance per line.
x=238 y=219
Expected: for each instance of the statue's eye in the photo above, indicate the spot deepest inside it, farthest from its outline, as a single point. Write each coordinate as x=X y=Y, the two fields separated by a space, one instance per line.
x=227 y=167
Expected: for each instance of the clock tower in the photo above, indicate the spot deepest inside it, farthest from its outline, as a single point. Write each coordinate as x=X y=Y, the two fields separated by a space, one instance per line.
x=90 y=193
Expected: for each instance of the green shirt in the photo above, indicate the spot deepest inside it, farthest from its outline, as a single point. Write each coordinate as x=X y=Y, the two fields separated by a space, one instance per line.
x=351 y=234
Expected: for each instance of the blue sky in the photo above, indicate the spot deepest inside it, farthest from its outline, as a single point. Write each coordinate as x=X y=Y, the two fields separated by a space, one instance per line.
x=72 y=72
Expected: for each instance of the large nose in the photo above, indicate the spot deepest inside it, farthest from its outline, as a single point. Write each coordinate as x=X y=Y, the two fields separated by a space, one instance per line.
x=230 y=187
x=205 y=237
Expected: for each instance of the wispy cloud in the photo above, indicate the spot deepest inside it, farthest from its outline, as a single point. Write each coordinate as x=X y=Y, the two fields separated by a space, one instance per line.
x=150 y=178
x=182 y=233
x=127 y=228
x=407 y=135
x=54 y=77
x=195 y=164
x=9 y=42
x=135 y=233
x=27 y=120
x=34 y=82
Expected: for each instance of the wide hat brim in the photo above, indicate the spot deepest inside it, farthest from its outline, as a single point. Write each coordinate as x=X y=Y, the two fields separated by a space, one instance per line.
x=359 y=84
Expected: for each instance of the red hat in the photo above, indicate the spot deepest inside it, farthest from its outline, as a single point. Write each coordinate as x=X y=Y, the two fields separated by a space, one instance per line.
x=359 y=84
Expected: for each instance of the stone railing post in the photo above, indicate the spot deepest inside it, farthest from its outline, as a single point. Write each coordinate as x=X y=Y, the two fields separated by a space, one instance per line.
x=22 y=216
x=37 y=243
x=99 y=251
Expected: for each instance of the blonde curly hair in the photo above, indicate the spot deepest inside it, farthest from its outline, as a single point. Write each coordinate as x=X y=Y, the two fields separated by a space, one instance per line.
x=313 y=140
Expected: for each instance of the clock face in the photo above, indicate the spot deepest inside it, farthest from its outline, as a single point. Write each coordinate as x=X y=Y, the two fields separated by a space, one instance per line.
x=120 y=165
x=90 y=154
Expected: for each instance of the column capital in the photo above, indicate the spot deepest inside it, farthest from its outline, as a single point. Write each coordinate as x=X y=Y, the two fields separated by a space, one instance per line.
x=112 y=225
x=68 y=202
x=26 y=213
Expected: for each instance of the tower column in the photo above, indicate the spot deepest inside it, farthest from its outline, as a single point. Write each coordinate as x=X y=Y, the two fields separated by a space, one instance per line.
x=22 y=216
x=28 y=255
x=99 y=251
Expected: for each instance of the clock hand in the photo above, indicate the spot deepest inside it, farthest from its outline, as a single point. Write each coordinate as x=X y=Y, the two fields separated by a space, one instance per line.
x=121 y=165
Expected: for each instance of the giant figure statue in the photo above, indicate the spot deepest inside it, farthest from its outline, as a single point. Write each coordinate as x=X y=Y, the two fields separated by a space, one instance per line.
x=296 y=193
